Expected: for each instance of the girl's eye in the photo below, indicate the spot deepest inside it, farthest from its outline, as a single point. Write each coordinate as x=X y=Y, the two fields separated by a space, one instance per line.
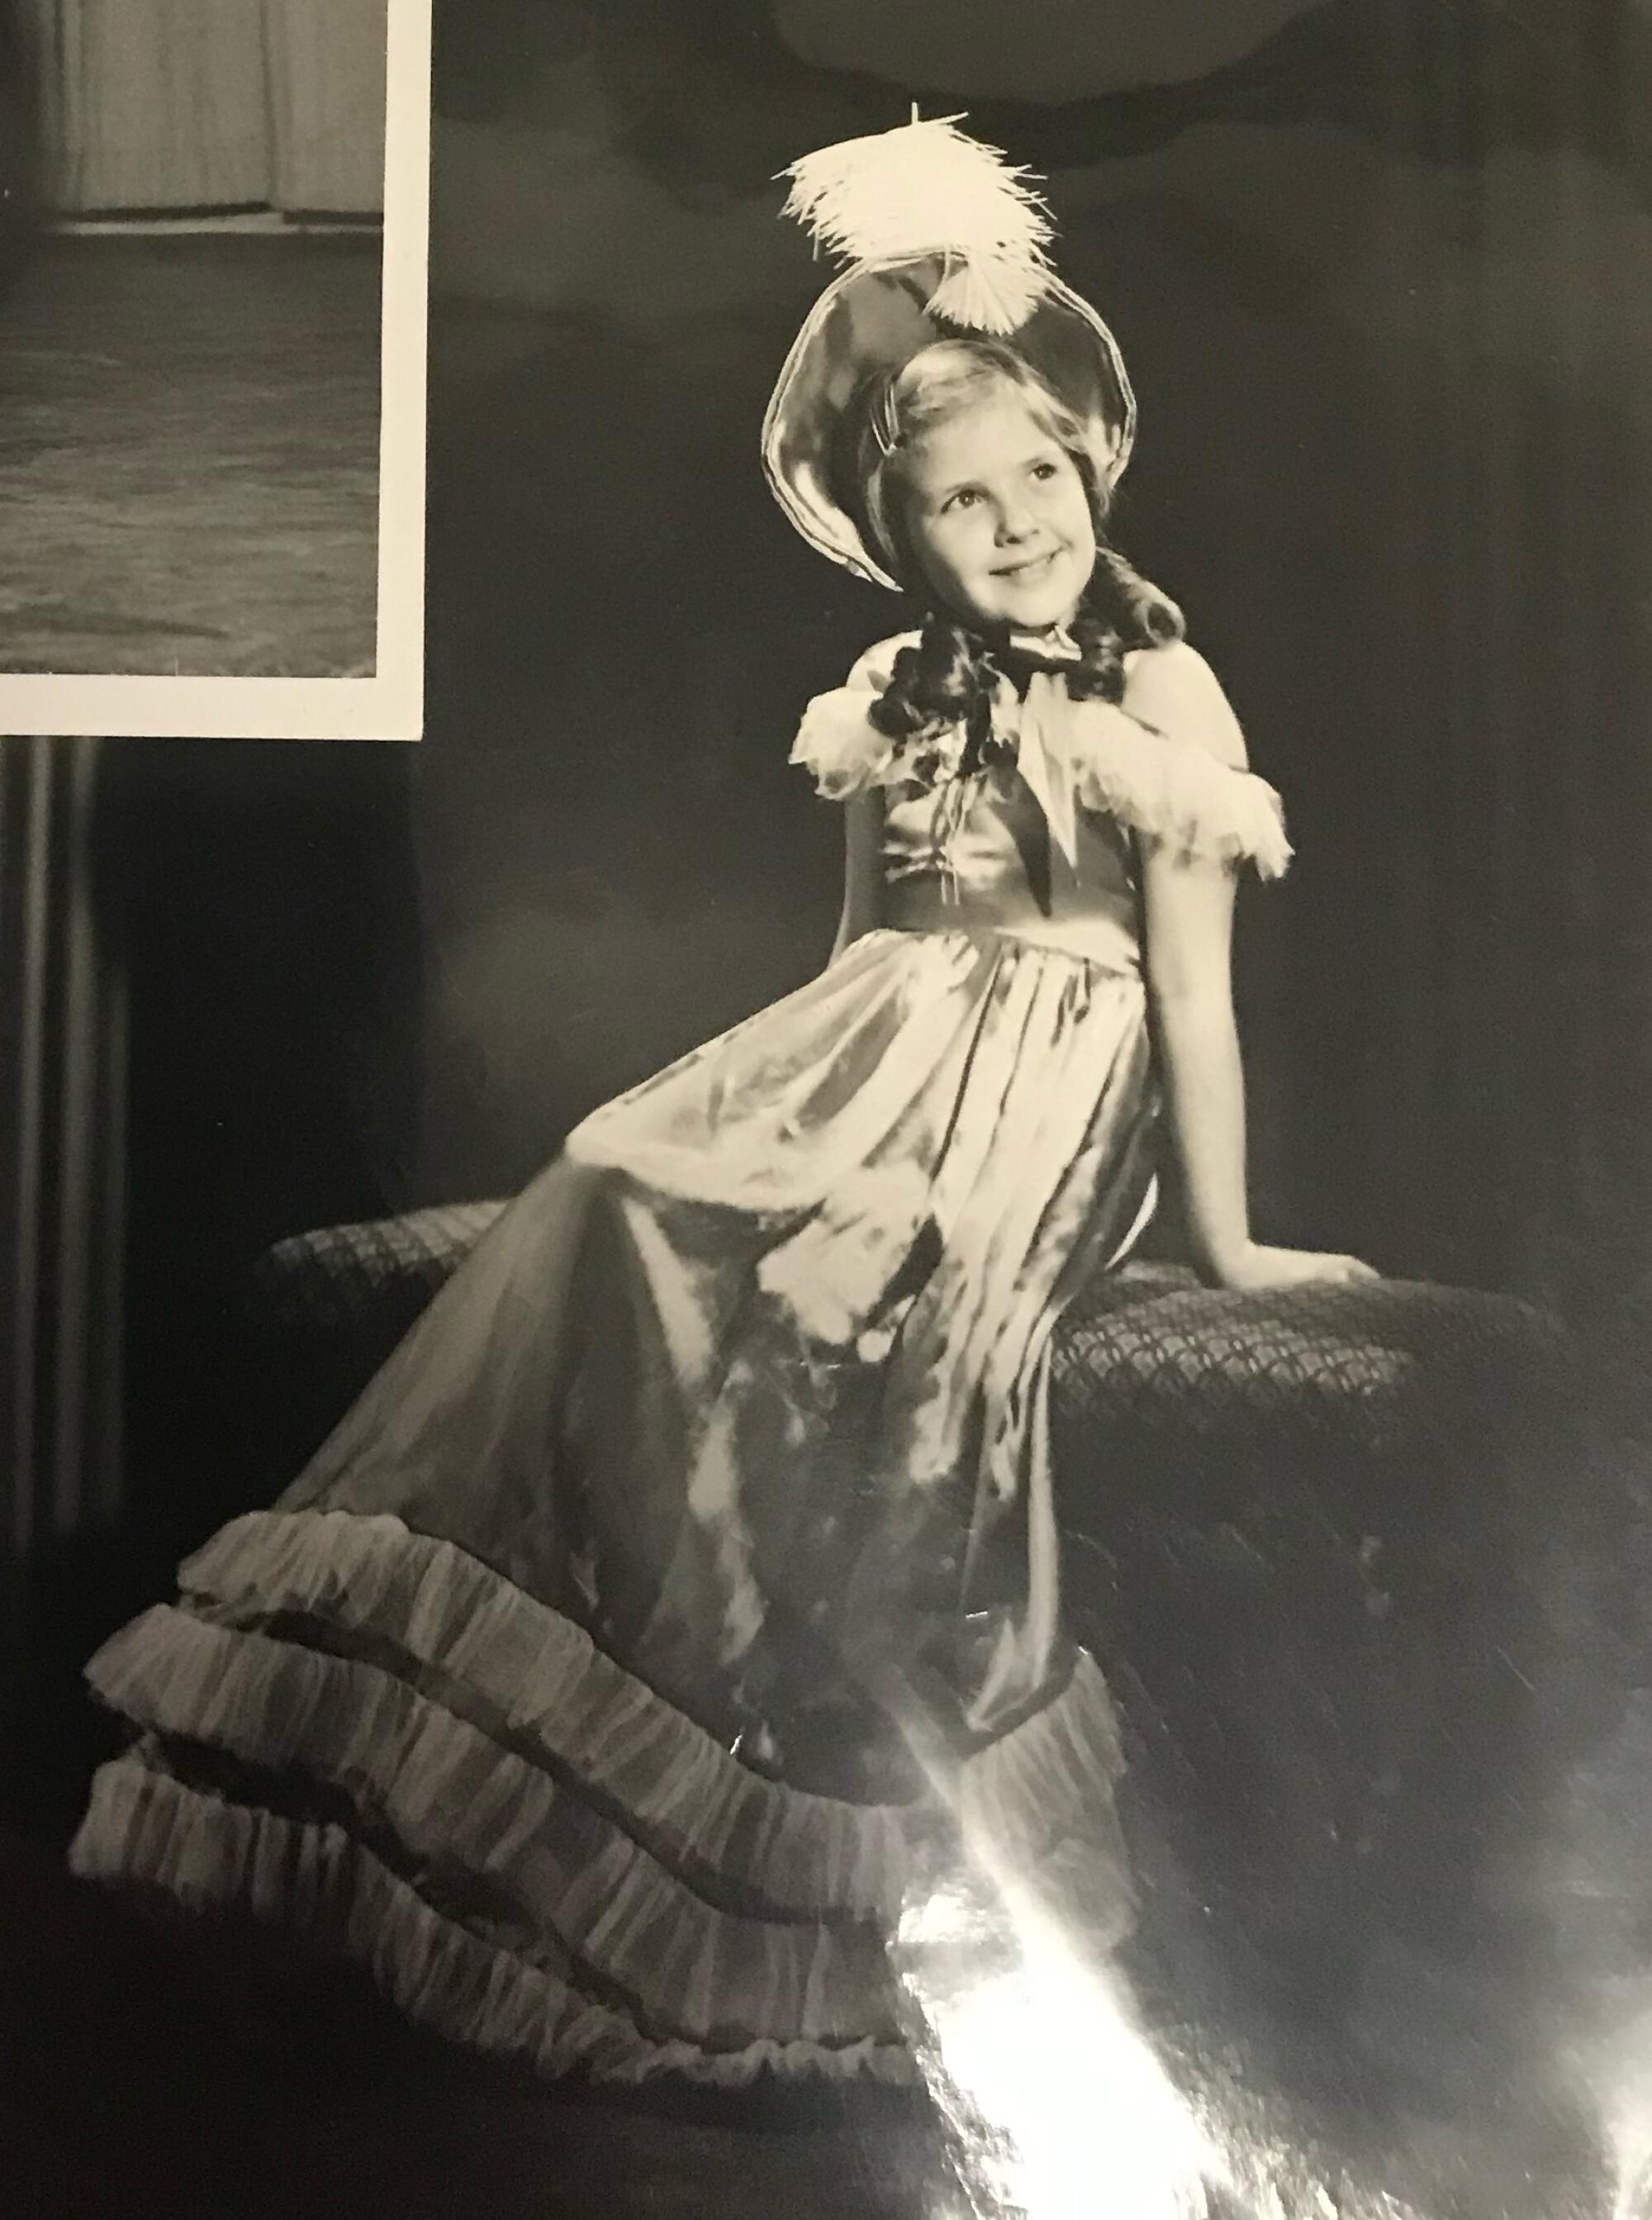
x=1044 y=470
x=966 y=497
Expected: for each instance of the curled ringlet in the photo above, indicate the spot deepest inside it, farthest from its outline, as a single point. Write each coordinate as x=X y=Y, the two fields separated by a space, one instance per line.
x=948 y=676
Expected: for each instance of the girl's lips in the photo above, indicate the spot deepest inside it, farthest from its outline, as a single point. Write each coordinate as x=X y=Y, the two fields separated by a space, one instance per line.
x=1034 y=566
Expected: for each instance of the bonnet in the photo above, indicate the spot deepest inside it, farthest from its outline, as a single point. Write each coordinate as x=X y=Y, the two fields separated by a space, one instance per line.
x=942 y=238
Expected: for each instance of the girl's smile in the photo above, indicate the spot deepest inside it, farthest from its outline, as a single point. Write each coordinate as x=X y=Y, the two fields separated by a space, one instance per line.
x=1000 y=517
x=1035 y=568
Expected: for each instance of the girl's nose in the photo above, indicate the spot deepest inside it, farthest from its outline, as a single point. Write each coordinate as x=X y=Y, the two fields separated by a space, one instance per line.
x=1013 y=523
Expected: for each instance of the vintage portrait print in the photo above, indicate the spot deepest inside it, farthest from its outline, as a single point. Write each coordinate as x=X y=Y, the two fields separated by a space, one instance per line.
x=213 y=225
x=850 y=1416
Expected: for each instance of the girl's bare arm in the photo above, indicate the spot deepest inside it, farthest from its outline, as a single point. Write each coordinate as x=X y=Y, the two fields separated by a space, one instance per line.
x=1189 y=918
x=1188 y=908
x=1188 y=935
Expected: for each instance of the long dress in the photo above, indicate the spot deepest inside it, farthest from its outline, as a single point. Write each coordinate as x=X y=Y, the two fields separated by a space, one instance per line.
x=687 y=1584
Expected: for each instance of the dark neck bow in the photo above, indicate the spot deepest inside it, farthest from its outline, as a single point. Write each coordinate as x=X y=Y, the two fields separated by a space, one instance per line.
x=1021 y=655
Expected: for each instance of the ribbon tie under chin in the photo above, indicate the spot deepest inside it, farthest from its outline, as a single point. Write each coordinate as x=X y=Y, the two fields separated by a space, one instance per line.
x=1044 y=757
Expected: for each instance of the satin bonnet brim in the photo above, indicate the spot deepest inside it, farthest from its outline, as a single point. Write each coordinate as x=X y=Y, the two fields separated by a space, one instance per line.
x=875 y=317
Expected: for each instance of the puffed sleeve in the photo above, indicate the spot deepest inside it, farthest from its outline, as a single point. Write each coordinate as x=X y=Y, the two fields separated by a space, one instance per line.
x=836 y=742
x=1169 y=761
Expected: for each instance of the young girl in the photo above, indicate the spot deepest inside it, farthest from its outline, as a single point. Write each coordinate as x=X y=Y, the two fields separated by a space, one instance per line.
x=689 y=1574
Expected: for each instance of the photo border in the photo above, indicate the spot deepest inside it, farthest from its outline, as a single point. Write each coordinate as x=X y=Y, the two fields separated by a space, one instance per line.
x=388 y=705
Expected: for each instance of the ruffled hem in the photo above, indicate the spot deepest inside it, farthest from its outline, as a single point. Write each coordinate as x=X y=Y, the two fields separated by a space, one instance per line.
x=568 y=1704
x=367 y=1686
x=554 y=1876
x=553 y=1693
x=145 y=1830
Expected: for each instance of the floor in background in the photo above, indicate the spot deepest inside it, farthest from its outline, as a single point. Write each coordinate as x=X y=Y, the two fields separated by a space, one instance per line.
x=143 y=2071
x=150 y=2068
x=188 y=457
x=1478 y=2074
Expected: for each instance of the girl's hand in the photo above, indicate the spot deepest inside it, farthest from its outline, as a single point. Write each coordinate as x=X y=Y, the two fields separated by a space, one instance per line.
x=1257 y=1266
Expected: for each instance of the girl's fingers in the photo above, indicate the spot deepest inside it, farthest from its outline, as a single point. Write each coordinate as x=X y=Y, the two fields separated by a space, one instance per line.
x=1342 y=1271
x=1295 y=1267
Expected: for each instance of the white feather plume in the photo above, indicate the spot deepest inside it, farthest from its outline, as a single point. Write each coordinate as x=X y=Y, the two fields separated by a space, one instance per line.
x=926 y=188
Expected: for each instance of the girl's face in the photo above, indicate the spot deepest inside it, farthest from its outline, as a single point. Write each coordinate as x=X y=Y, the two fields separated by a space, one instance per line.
x=999 y=516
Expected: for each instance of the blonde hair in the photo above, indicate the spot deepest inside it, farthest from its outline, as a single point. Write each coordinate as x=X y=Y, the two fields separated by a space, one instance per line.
x=950 y=675
x=940 y=382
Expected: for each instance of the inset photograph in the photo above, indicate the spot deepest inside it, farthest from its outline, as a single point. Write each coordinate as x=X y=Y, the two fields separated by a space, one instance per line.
x=197 y=369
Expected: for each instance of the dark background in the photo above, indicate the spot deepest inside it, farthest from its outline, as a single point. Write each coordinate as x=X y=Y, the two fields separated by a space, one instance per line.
x=1382 y=270
x=1384 y=280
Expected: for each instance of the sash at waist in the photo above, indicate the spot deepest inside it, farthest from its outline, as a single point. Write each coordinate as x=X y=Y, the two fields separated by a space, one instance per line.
x=920 y=903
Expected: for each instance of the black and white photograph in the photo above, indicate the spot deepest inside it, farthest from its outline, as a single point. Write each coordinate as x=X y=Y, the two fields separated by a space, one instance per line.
x=852 y=1415
x=203 y=226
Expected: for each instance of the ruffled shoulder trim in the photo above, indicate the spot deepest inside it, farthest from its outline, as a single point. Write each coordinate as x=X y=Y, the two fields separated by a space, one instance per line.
x=836 y=742
x=1169 y=763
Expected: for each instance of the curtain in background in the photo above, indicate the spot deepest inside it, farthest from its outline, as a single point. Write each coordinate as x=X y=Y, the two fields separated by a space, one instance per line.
x=1504 y=801
x=326 y=60
x=171 y=104
x=154 y=104
x=62 y=1156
